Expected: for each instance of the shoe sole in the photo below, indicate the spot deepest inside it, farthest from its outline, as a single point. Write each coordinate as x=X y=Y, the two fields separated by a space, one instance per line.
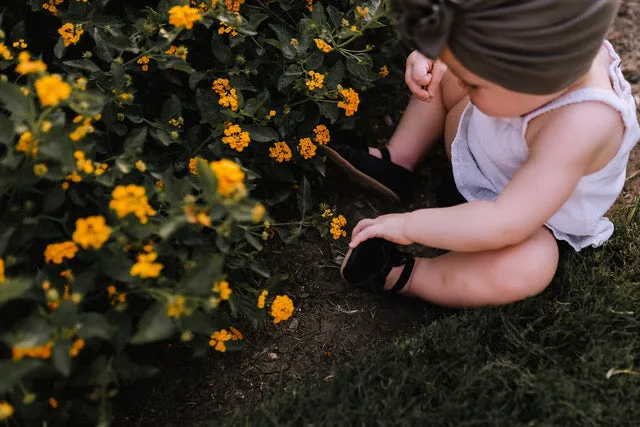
x=359 y=177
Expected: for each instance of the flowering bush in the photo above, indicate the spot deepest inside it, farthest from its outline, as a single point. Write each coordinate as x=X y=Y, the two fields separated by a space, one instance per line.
x=140 y=146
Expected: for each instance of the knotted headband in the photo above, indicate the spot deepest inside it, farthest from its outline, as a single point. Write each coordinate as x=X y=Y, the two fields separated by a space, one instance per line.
x=529 y=46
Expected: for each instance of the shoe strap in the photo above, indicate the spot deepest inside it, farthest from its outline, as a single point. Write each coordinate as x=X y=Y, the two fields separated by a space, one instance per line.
x=386 y=156
x=404 y=276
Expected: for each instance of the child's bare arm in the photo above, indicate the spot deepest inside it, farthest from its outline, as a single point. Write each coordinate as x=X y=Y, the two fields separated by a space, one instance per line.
x=558 y=158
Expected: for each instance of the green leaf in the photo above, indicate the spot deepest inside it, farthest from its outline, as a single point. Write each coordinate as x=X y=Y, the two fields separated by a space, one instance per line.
x=220 y=49
x=335 y=75
x=15 y=101
x=208 y=105
x=304 y=199
x=117 y=266
x=168 y=228
x=66 y=315
x=171 y=109
x=12 y=372
x=135 y=140
x=200 y=279
x=7 y=132
x=59 y=49
x=83 y=64
x=12 y=288
x=209 y=181
x=94 y=325
x=253 y=241
x=261 y=133
x=199 y=322
x=285 y=80
x=329 y=110
x=53 y=199
x=59 y=149
x=253 y=104
x=318 y=15
x=5 y=236
x=285 y=40
x=61 y=357
x=155 y=325
x=335 y=15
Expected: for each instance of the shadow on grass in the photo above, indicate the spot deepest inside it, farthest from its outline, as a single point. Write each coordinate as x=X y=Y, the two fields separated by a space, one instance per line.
x=543 y=361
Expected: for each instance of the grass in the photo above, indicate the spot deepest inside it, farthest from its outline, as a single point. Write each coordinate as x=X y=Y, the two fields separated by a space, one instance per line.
x=543 y=361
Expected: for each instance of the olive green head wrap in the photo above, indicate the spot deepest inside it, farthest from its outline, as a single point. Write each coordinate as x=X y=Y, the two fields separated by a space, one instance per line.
x=529 y=46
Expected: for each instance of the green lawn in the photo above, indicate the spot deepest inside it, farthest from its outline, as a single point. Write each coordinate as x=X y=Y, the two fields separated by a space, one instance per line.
x=543 y=361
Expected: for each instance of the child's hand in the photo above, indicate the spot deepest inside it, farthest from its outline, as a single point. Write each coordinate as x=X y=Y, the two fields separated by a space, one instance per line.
x=389 y=227
x=423 y=75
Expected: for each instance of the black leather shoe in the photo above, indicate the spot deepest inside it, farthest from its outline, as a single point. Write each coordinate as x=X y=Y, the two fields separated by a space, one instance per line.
x=368 y=265
x=388 y=179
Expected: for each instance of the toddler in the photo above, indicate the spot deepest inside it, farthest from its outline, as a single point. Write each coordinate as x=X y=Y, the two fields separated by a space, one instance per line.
x=538 y=122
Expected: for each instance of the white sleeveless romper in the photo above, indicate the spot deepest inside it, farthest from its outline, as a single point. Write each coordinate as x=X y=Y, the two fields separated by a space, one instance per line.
x=487 y=152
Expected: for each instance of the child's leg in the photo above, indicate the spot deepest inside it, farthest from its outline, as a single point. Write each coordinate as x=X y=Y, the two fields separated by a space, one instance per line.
x=495 y=277
x=423 y=124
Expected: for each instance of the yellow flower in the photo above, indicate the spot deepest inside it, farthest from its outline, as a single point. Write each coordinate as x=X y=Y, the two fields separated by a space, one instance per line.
x=322 y=135
x=40 y=352
x=5 y=52
x=141 y=166
x=131 y=199
x=233 y=6
x=184 y=16
x=6 y=411
x=175 y=306
x=193 y=165
x=56 y=252
x=179 y=51
x=177 y=122
x=281 y=308
x=53 y=402
x=222 y=288
x=307 y=148
x=228 y=95
x=26 y=66
x=40 y=169
x=144 y=61
x=82 y=83
x=322 y=45
x=230 y=178
x=46 y=126
x=70 y=33
x=28 y=145
x=52 y=90
x=76 y=347
x=50 y=5
x=20 y=43
x=280 y=151
x=218 y=339
x=146 y=267
x=159 y=185
x=327 y=213
x=226 y=29
x=272 y=113
x=257 y=213
x=362 y=11
x=294 y=42
x=384 y=71
x=84 y=165
x=316 y=80
x=2 y=278
x=310 y=5
x=350 y=101
x=91 y=231
x=336 y=227
x=262 y=298
x=236 y=138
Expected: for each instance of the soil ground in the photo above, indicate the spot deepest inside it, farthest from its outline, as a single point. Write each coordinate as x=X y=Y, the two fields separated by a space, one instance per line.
x=331 y=323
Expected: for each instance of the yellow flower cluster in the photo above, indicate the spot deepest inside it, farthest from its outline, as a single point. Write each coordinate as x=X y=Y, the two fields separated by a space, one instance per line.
x=384 y=71
x=362 y=11
x=2 y=278
x=6 y=411
x=336 y=227
x=39 y=169
x=83 y=164
x=193 y=165
x=70 y=33
x=262 y=298
x=258 y=212
x=175 y=306
x=52 y=90
x=294 y=42
x=177 y=123
x=230 y=178
x=76 y=347
x=307 y=148
x=322 y=45
x=184 y=16
x=116 y=297
x=5 y=52
x=41 y=352
x=228 y=95
x=280 y=151
x=316 y=80
x=27 y=66
x=91 y=231
x=131 y=199
x=81 y=83
x=235 y=137
x=27 y=144
x=141 y=166
x=233 y=6
x=20 y=44
x=327 y=213
x=51 y=6
x=322 y=135
x=218 y=338
x=179 y=51
x=195 y=216
x=281 y=308
x=309 y=5
x=226 y=29
x=56 y=252
x=202 y=6
x=146 y=267
x=222 y=289
x=144 y=62
x=272 y=113
x=350 y=101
